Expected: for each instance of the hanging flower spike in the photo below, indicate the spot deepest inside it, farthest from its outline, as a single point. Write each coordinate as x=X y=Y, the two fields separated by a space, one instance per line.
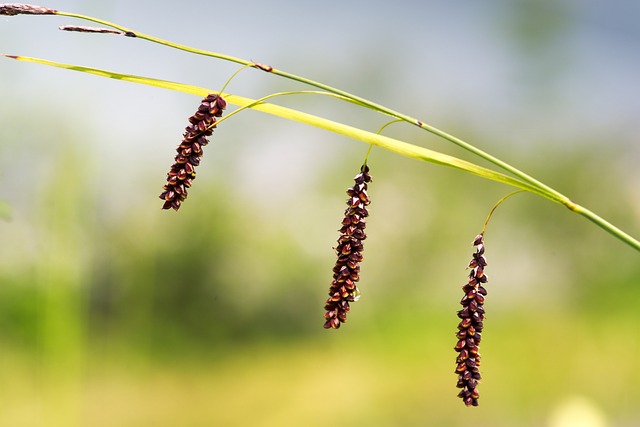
x=12 y=9
x=346 y=273
x=470 y=327
x=182 y=172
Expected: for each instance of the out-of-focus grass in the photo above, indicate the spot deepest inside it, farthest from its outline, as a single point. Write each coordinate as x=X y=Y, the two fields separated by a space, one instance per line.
x=213 y=316
x=400 y=375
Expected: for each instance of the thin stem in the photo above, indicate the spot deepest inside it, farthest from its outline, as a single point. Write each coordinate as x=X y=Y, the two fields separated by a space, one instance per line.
x=536 y=186
x=604 y=224
x=244 y=67
x=498 y=203
x=394 y=145
x=156 y=39
x=273 y=95
x=366 y=157
x=387 y=124
x=556 y=196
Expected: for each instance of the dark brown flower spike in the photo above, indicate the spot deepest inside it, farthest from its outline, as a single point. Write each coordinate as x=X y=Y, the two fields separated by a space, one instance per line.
x=182 y=172
x=470 y=327
x=346 y=273
x=12 y=9
x=84 y=29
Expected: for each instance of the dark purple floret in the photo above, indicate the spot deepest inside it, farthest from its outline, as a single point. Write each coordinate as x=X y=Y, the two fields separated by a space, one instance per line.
x=346 y=273
x=182 y=172
x=470 y=327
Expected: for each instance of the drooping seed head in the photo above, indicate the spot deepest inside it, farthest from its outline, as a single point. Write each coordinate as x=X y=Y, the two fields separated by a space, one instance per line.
x=470 y=327
x=346 y=272
x=84 y=29
x=189 y=152
x=12 y=9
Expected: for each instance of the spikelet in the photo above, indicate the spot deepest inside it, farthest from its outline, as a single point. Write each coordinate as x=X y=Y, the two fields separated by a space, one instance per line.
x=346 y=273
x=12 y=9
x=182 y=172
x=85 y=29
x=470 y=327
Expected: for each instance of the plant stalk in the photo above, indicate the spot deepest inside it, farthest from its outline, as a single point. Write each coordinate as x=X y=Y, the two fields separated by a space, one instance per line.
x=538 y=187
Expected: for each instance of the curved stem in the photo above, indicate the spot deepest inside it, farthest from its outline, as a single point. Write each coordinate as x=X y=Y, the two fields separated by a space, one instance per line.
x=533 y=184
x=557 y=196
x=366 y=157
x=396 y=146
x=388 y=124
x=233 y=76
x=258 y=101
x=498 y=203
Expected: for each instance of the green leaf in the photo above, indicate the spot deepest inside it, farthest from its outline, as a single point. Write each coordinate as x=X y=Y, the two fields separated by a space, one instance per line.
x=391 y=144
x=394 y=145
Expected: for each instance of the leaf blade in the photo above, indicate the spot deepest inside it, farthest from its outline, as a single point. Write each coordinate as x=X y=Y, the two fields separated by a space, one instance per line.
x=391 y=144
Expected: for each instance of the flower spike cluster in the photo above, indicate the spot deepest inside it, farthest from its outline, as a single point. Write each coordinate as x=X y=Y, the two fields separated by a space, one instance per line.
x=470 y=327
x=182 y=172
x=346 y=273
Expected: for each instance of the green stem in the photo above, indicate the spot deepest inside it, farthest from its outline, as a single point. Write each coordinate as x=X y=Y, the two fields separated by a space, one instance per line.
x=366 y=157
x=258 y=101
x=540 y=188
x=557 y=196
x=233 y=76
x=604 y=224
x=498 y=203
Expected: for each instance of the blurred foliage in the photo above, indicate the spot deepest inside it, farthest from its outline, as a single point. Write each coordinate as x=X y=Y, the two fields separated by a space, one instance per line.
x=5 y=210
x=115 y=313
x=197 y=315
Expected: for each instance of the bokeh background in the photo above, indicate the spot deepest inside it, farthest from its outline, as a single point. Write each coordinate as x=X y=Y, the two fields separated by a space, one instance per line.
x=116 y=313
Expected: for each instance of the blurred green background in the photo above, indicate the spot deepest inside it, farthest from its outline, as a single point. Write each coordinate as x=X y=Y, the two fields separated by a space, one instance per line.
x=115 y=313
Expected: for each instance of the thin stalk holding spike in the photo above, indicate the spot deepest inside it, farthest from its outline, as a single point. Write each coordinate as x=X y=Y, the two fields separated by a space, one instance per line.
x=557 y=196
x=498 y=203
x=363 y=101
x=366 y=157
x=534 y=185
x=399 y=147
